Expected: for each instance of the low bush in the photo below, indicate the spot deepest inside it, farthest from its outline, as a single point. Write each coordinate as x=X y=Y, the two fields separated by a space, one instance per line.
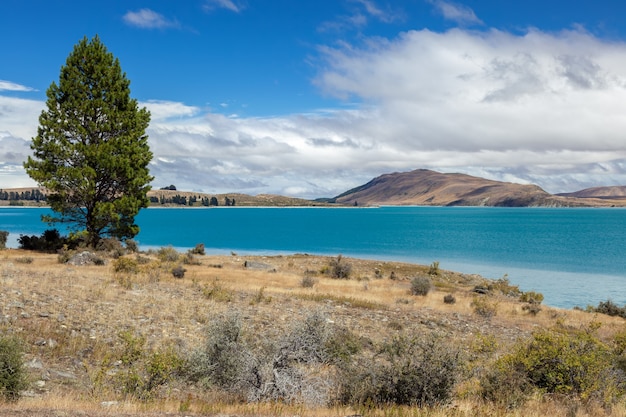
x=407 y=371
x=434 y=268
x=50 y=241
x=308 y=281
x=609 y=308
x=126 y=265
x=178 y=272
x=449 y=299
x=531 y=297
x=338 y=268
x=24 y=260
x=197 y=250
x=4 y=235
x=12 y=373
x=484 y=307
x=571 y=364
x=168 y=254
x=420 y=286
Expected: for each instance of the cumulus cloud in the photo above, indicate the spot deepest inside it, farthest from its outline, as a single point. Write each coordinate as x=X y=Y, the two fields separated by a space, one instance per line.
x=149 y=19
x=543 y=108
x=210 y=5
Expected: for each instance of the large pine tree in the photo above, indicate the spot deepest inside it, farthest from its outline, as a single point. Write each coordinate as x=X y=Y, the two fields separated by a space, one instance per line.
x=91 y=151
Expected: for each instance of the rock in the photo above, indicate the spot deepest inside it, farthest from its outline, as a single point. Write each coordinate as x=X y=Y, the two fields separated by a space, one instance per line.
x=108 y=404
x=35 y=363
x=84 y=258
x=258 y=266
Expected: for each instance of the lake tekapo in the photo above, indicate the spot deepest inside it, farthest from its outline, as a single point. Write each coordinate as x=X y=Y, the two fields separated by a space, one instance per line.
x=574 y=256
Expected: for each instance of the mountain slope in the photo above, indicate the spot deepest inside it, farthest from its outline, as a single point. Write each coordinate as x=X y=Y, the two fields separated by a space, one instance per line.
x=612 y=192
x=425 y=187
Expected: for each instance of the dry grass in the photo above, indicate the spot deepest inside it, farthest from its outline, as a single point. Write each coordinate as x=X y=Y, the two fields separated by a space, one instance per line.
x=70 y=318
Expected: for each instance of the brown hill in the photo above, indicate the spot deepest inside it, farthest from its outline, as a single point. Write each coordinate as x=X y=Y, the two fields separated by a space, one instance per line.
x=425 y=187
x=612 y=192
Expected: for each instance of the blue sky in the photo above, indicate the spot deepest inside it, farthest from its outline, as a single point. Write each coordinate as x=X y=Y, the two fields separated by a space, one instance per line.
x=311 y=98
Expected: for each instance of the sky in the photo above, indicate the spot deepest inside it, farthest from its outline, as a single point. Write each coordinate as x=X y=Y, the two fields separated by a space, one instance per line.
x=311 y=98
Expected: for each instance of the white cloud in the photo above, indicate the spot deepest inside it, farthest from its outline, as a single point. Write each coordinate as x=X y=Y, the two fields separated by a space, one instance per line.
x=10 y=86
x=210 y=5
x=458 y=13
x=544 y=108
x=149 y=19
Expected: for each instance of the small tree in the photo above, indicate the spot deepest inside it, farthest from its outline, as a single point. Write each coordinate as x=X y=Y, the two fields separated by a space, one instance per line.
x=91 y=151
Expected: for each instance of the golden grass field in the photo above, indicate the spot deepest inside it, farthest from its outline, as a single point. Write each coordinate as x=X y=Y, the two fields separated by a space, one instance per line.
x=70 y=318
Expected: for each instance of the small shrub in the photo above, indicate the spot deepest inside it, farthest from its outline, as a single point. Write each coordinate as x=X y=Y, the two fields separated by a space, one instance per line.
x=3 y=239
x=338 y=268
x=197 y=250
x=111 y=246
x=449 y=299
x=168 y=254
x=24 y=260
x=308 y=281
x=503 y=285
x=178 y=272
x=217 y=292
x=532 y=308
x=609 y=308
x=483 y=307
x=50 y=241
x=415 y=372
x=434 y=268
x=531 y=297
x=420 y=286
x=221 y=360
x=574 y=365
x=126 y=265
x=132 y=245
x=12 y=372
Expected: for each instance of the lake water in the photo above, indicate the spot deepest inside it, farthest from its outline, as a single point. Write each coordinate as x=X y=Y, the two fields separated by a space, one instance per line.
x=575 y=257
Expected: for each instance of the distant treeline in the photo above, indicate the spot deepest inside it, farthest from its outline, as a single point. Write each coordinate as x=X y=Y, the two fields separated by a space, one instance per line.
x=32 y=195
x=191 y=200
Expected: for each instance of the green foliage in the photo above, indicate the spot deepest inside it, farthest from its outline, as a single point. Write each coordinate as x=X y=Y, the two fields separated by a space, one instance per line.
x=338 y=268
x=420 y=286
x=50 y=241
x=434 y=268
x=575 y=364
x=407 y=371
x=484 y=307
x=609 y=308
x=168 y=254
x=504 y=286
x=3 y=239
x=222 y=358
x=127 y=265
x=531 y=297
x=12 y=372
x=91 y=151
x=198 y=249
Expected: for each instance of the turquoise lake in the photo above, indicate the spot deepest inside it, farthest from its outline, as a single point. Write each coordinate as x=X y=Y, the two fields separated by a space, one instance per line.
x=575 y=257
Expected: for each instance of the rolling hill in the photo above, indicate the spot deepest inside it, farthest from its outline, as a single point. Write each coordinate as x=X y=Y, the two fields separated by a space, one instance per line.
x=426 y=187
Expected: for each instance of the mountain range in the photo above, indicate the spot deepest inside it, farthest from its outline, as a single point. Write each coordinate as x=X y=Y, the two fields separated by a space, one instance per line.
x=426 y=187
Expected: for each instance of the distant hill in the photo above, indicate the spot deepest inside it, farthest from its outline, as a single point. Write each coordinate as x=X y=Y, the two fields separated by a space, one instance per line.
x=425 y=187
x=612 y=192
